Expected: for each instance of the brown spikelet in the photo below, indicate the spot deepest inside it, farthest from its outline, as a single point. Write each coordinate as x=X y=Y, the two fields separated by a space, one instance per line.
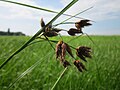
x=42 y=23
x=81 y=56
x=85 y=23
x=82 y=23
x=58 y=49
x=79 y=65
x=61 y=49
x=83 y=52
x=73 y=31
x=69 y=50
x=66 y=63
x=50 y=33
x=64 y=47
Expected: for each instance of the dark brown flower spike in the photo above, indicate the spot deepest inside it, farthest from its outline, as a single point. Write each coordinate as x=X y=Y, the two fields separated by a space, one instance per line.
x=73 y=31
x=69 y=50
x=50 y=33
x=83 y=52
x=61 y=52
x=42 y=23
x=58 y=49
x=66 y=63
x=79 y=65
x=64 y=47
x=82 y=23
x=61 y=49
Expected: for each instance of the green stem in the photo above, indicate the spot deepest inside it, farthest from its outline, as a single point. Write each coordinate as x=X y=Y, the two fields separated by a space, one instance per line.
x=91 y=40
x=49 y=42
x=61 y=75
x=74 y=38
x=54 y=41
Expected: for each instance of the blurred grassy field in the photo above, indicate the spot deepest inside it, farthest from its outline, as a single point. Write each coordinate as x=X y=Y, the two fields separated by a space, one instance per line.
x=103 y=69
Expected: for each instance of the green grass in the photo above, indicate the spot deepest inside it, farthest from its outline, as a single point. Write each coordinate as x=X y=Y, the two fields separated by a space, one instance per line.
x=103 y=69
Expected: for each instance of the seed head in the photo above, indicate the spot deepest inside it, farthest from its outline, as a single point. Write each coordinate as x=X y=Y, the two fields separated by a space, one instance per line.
x=69 y=50
x=42 y=23
x=64 y=47
x=79 y=65
x=73 y=31
x=83 y=52
x=58 y=49
x=66 y=63
x=80 y=24
x=50 y=33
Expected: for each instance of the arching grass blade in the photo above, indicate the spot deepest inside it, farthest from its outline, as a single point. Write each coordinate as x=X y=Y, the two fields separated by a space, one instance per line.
x=73 y=16
x=35 y=7
x=27 y=71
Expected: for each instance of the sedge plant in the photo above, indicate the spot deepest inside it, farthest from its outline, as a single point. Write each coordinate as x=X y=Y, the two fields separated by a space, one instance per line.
x=48 y=30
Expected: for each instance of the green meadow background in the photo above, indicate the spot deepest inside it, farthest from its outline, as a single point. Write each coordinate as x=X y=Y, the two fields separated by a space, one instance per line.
x=103 y=70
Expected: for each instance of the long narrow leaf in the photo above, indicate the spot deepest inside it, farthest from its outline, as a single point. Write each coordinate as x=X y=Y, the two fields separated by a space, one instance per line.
x=28 y=70
x=74 y=16
x=61 y=75
x=38 y=33
x=35 y=7
x=91 y=40
x=54 y=41
x=60 y=13
x=78 y=14
x=31 y=6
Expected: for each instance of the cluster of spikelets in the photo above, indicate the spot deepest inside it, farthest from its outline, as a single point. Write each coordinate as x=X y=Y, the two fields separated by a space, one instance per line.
x=61 y=47
x=51 y=31
x=79 y=25
x=82 y=52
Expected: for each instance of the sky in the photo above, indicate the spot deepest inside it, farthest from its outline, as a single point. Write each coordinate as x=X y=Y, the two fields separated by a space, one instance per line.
x=105 y=13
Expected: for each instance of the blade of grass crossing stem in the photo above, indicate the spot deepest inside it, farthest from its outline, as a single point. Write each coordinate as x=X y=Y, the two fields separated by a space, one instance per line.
x=61 y=75
x=74 y=16
x=74 y=38
x=28 y=70
x=78 y=14
x=49 y=42
x=35 y=7
x=38 y=33
x=59 y=14
x=91 y=40
x=54 y=41
x=29 y=6
x=35 y=42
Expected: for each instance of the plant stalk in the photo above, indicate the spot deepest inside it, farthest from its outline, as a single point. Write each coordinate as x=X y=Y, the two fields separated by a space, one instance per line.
x=61 y=75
